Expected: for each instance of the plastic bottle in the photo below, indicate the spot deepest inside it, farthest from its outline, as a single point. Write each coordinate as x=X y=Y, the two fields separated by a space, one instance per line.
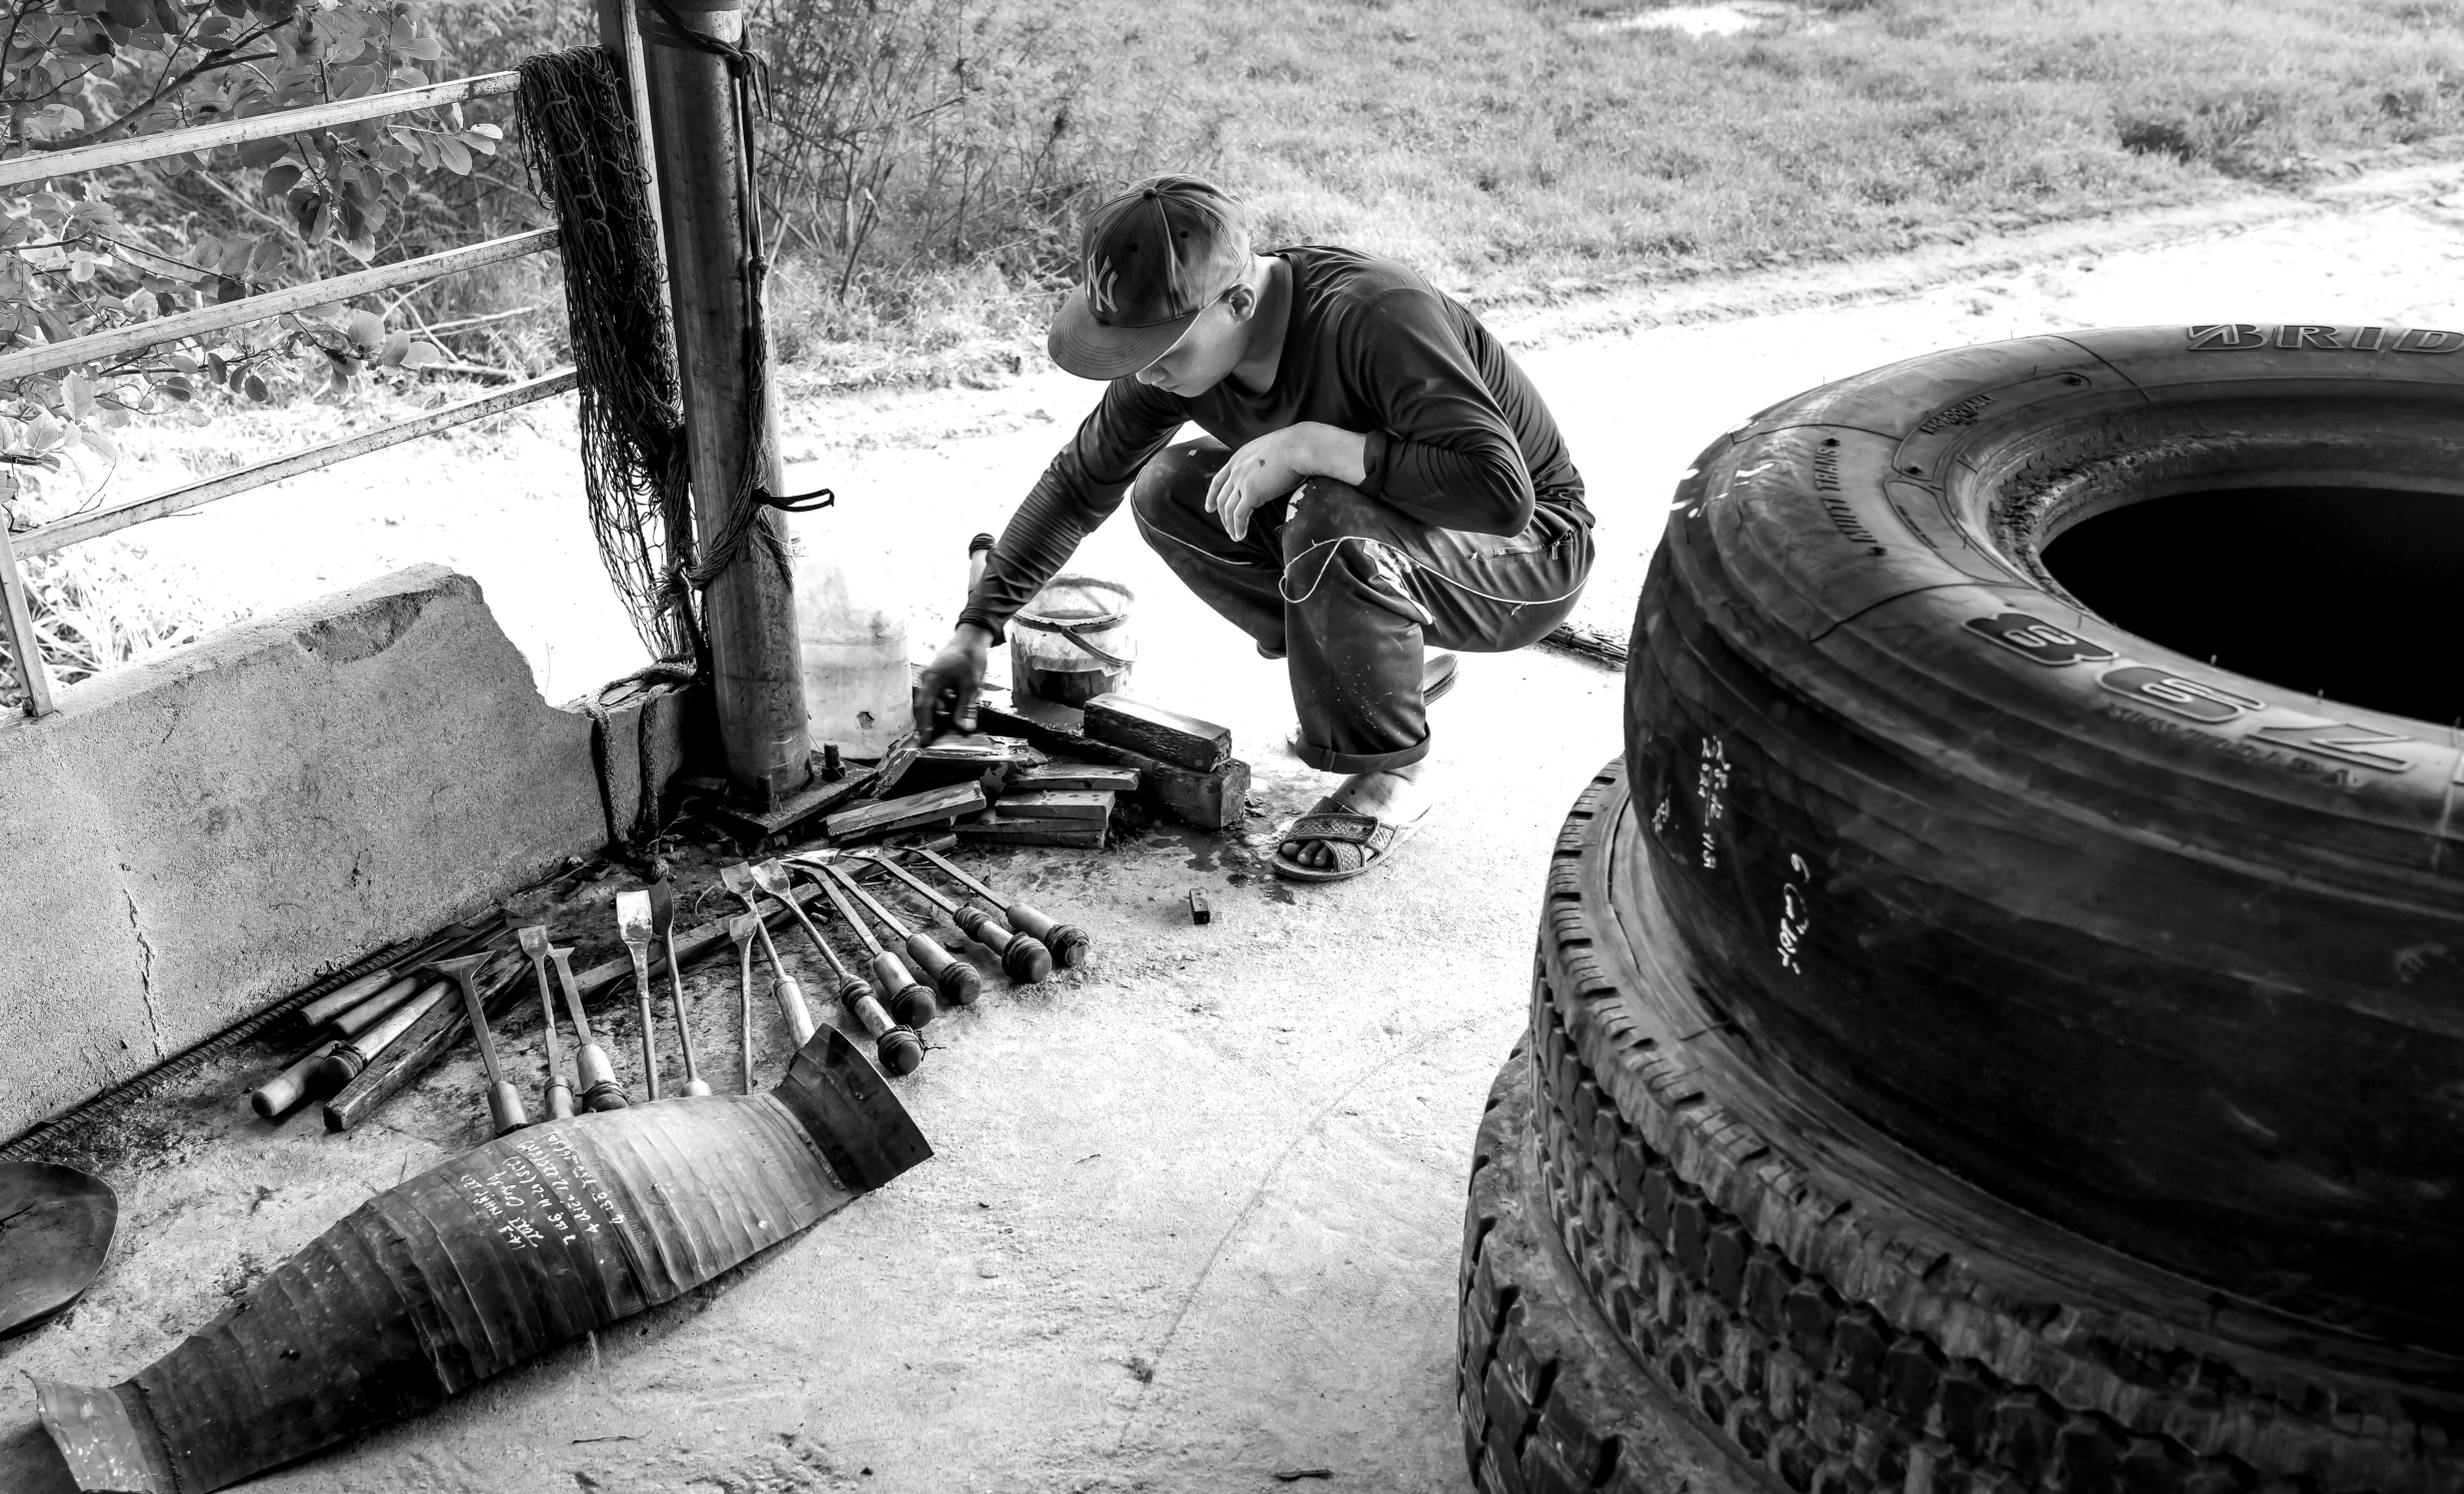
x=854 y=658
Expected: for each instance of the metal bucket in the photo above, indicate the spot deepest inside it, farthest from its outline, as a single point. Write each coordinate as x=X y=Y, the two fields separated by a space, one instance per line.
x=1071 y=641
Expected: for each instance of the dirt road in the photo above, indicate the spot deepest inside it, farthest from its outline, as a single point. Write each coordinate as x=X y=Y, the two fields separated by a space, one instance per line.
x=1194 y=1214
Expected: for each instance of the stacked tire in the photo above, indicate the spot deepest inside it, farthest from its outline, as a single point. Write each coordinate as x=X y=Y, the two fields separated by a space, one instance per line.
x=1975 y=1049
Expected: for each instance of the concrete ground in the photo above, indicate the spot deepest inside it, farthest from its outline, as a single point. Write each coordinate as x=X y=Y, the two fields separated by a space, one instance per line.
x=1194 y=1214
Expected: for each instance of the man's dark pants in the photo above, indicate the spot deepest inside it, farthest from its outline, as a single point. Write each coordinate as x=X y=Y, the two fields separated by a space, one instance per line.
x=1349 y=589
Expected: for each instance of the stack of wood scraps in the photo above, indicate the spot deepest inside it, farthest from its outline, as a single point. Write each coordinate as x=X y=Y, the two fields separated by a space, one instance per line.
x=1019 y=787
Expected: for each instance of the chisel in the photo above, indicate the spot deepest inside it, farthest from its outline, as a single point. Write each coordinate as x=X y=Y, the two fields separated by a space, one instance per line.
x=738 y=880
x=954 y=979
x=1022 y=958
x=663 y=919
x=633 y=923
x=893 y=1043
x=1068 y=943
x=599 y=1090
x=740 y=929
x=909 y=1002
x=559 y=1096
x=504 y=1101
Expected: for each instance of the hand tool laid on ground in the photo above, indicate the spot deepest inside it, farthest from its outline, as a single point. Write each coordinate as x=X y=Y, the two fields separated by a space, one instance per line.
x=279 y=1094
x=1068 y=943
x=662 y=919
x=372 y=1010
x=893 y=1043
x=600 y=1091
x=504 y=1100
x=558 y=1097
x=954 y=979
x=432 y=1033
x=56 y=1226
x=740 y=929
x=633 y=922
x=348 y=1060
x=909 y=1003
x=908 y=999
x=738 y=880
x=326 y=1007
x=1024 y=959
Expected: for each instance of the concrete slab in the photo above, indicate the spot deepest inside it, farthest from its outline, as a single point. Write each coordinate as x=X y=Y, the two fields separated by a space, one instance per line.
x=192 y=837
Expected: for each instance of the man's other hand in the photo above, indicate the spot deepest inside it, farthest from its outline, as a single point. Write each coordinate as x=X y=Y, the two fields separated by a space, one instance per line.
x=1274 y=464
x=946 y=690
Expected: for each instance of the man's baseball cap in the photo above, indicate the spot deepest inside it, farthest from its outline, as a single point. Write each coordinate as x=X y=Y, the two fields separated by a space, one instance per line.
x=1150 y=260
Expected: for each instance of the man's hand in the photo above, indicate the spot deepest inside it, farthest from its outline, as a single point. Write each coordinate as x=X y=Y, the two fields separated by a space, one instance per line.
x=1274 y=464
x=946 y=692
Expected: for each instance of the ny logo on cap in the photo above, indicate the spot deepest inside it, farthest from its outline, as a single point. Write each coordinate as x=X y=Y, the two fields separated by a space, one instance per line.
x=1100 y=282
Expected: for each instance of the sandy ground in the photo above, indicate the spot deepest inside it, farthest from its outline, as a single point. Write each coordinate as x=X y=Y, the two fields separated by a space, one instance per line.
x=1195 y=1211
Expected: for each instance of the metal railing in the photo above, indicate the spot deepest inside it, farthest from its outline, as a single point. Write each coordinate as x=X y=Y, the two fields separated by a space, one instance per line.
x=17 y=616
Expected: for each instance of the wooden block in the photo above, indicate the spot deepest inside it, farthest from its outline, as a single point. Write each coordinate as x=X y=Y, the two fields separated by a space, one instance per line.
x=978 y=758
x=901 y=812
x=1209 y=800
x=1057 y=804
x=1081 y=776
x=999 y=830
x=1185 y=741
x=818 y=797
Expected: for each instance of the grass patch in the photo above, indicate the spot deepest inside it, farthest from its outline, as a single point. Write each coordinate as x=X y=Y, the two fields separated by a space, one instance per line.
x=1508 y=147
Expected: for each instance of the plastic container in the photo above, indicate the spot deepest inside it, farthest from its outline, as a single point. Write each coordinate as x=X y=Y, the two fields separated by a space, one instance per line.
x=857 y=690
x=1070 y=642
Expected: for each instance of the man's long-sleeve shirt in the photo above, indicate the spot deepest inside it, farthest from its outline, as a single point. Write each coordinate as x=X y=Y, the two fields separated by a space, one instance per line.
x=1457 y=435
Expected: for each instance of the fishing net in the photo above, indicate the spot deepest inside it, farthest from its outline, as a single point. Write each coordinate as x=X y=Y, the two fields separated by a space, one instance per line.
x=576 y=115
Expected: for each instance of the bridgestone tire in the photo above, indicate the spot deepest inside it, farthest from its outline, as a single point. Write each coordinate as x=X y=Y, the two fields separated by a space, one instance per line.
x=1551 y=1401
x=1853 y=1318
x=2169 y=956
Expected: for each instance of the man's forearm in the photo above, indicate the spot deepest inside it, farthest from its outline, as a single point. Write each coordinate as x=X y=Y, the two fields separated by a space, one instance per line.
x=1332 y=452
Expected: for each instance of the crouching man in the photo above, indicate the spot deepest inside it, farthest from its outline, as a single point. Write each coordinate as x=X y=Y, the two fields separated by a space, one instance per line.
x=1378 y=477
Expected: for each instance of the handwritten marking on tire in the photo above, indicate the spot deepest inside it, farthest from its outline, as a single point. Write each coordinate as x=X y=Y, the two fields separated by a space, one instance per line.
x=1795 y=915
x=1709 y=785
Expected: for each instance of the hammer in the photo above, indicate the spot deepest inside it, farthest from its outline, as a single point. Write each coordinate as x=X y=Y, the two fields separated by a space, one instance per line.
x=954 y=979
x=1068 y=943
x=1022 y=958
x=504 y=1101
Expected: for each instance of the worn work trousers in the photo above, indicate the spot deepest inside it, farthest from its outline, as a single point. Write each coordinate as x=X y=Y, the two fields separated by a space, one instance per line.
x=1349 y=589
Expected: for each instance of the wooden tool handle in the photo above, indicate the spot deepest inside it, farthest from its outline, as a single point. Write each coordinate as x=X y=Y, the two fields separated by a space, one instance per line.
x=600 y=1091
x=288 y=1089
x=897 y=1048
x=366 y=1014
x=908 y=999
x=560 y=1100
x=1024 y=960
x=954 y=979
x=505 y=1107
x=799 y=1018
x=1069 y=944
x=324 y=1009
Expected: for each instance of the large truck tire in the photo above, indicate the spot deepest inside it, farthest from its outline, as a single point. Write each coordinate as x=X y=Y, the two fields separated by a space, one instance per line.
x=1851 y=1317
x=2168 y=955
x=1549 y=1399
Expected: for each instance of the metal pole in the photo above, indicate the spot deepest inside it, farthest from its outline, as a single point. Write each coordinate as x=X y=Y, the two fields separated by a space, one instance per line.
x=25 y=652
x=748 y=611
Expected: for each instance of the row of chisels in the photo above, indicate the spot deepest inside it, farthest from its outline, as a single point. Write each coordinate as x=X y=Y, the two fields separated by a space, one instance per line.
x=383 y=1029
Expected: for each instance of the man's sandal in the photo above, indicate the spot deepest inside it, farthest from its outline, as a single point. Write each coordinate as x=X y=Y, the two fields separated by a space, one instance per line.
x=1359 y=842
